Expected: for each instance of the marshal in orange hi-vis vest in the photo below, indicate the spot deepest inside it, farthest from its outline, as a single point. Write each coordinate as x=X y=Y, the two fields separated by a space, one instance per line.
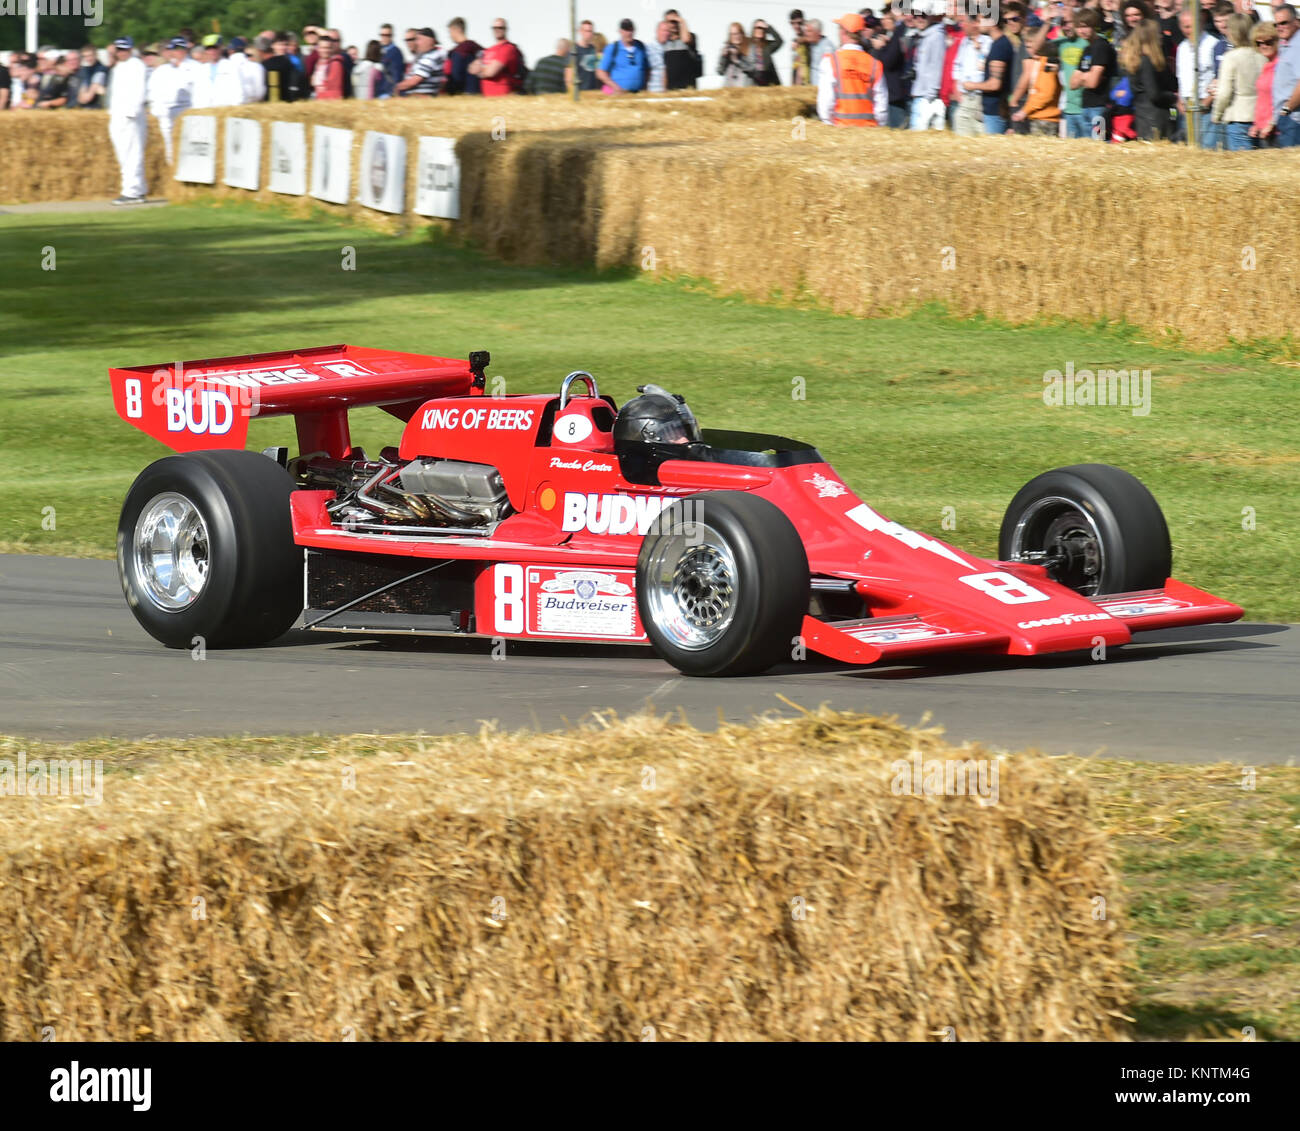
x=856 y=75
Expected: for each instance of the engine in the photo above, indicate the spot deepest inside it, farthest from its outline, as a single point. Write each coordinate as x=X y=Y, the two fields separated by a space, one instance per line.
x=422 y=494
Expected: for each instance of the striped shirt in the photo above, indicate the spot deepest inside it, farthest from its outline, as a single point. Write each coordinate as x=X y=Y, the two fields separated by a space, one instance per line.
x=547 y=77
x=431 y=68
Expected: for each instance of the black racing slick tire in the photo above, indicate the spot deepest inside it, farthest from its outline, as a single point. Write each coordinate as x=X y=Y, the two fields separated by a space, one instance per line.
x=722 y=584
x=205 y=550
x=1096 y=528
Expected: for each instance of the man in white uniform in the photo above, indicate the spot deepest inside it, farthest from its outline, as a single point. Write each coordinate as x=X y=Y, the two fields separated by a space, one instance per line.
x=171 y=89
x=218 y=81
x=128 y=124
x=228 y=89
x=252 y=76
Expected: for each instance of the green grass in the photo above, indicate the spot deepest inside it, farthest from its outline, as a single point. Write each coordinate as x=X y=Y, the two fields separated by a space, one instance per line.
x=1210 y=862
x=919 y=413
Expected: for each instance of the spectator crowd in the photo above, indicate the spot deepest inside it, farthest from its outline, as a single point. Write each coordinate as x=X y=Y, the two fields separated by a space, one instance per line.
x=1120 y=70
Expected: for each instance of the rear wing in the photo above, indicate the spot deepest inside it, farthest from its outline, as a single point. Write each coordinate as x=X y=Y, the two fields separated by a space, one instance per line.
x=192 y=405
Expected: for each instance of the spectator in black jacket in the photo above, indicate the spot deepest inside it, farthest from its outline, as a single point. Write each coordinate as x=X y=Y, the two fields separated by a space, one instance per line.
x=287 y=86
x=681 y=61
x=887 y=45
x=1017 y=29
x=1151 y=78
x=764 y=42
x=93 y=82
x=465 y=51
x=1171 y=31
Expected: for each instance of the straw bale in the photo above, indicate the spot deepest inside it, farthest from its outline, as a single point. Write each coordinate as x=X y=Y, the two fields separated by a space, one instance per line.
x=66 y=155
x=770 y=884
x=508 y=122
x=743 y=190
x=872 y=222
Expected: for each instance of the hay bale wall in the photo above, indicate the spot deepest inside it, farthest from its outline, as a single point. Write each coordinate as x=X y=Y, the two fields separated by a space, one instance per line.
x=66 y=155
x=750 y=195
x=877 y=222
x=744 y=191
x=664 y=119
x=771 y=885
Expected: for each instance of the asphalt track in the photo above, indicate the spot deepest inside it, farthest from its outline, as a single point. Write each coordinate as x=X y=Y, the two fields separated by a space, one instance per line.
x=74 y=664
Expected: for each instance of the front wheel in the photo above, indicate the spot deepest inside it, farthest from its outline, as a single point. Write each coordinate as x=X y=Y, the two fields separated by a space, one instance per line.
x=1096 y=528
x=205 y=550
x=722 y=584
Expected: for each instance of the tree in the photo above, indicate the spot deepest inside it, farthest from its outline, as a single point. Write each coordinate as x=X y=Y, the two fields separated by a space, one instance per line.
x=150 y=21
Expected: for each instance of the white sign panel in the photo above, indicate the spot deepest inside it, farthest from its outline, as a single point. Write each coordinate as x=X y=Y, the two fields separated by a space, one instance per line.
x=288 y=158
x=437 y=186
x=196 y=159
x=243 y=153
x=383 y=172
x=331 y=164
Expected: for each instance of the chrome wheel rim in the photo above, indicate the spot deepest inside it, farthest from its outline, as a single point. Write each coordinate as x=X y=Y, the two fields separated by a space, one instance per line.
x=1065 y=537
x=691 y=586
x=171 y=552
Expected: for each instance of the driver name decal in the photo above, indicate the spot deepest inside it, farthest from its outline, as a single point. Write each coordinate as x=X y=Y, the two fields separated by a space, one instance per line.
x=581 y=464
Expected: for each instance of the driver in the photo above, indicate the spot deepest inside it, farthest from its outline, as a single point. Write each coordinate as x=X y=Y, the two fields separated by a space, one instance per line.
x=652 y=428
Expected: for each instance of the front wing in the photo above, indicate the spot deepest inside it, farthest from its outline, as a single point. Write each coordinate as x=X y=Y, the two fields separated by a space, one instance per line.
x=870 y=640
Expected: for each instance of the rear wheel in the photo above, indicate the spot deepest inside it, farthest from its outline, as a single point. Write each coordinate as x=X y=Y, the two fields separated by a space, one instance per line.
x=205 y=550
x=1096 y=528
x=722 y=584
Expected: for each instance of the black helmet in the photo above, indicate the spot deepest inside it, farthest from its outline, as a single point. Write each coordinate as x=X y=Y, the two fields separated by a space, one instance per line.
x=652 y=428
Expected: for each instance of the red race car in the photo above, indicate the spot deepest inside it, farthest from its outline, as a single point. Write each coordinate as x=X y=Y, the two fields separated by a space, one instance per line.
x=564 y=517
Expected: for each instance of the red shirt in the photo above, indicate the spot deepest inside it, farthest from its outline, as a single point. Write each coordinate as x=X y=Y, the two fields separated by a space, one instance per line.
x=507 y=79
x=947 y=87
x=327 y=78
x=1264 y=96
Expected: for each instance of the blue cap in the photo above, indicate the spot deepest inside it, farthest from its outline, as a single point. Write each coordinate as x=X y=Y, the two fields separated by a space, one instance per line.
x=179 y=42
x=1033 y=20
x=125 y=42
x=238 y=43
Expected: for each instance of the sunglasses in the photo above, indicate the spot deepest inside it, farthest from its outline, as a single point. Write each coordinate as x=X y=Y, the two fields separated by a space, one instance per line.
x=411 y=40
x=1265 y=42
